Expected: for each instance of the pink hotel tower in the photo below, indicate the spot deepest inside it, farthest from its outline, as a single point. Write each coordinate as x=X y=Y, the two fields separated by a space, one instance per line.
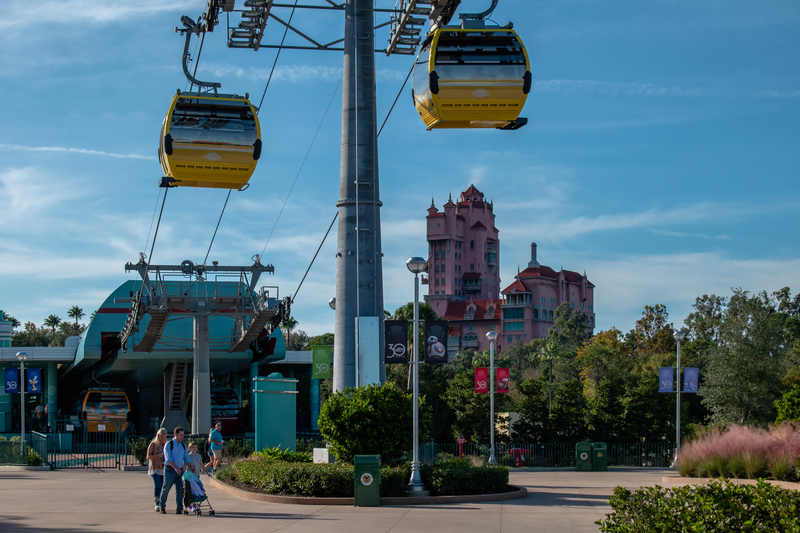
x=464 y=281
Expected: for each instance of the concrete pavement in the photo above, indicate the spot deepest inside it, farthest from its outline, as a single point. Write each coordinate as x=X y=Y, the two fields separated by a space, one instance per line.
x=112 y=501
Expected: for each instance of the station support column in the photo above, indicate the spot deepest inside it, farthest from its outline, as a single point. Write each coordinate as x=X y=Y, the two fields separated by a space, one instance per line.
x=201 y=377
x=359 y=270
x=52 y=394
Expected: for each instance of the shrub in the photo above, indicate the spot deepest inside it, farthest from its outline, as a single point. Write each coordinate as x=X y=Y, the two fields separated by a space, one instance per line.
x=276 y=454
x=33 y=458
x=308 y=445
x=716 y=507
x=736 y=466
x=234 y=449
x=782 y=468
x=139 y=449
x=336 y=480
x=371 y=419
x=226 y=472
x=446 y=479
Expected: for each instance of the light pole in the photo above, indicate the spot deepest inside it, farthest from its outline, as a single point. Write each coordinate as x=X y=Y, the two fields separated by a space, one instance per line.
x=417 y=265
x=491 y=335
x=332 y=303
x=679 y=336
x=22 y=356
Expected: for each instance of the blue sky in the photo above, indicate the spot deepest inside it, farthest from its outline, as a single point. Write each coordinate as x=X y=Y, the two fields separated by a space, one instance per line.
x=661 y=154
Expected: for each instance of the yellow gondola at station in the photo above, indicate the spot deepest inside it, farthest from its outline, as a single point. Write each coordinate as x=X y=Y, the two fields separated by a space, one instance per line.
x=471 y=78
x=210 y=140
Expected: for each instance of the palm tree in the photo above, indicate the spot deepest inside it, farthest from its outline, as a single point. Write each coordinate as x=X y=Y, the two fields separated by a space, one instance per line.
x=290 y=324
x=14 y=322
x=52 y=321
x=76 y=313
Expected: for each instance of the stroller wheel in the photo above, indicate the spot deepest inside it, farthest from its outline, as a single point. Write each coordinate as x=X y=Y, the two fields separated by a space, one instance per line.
x=185 y=512
x=211 y=512
x=197 y=512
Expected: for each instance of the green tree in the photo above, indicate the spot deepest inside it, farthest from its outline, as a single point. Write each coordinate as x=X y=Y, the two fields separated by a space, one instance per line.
x=52 y=322
x=568 y=419
x=742 y=374
x=372 y=419
x=76 y=313
x=326 y=339
x=704 y=322
x=789 y=406
x=607 y=412
x=65 y=330
x=534 y=421
x=649 y=416
x=653 y=333
x=31 y=336
x=14 y=322
x=471 y=410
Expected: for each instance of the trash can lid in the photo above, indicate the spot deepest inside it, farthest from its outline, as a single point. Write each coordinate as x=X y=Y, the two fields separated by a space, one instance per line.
x=367 y=460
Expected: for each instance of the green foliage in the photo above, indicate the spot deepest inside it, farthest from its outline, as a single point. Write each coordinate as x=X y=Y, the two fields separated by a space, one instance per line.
x=534 y=421
x=336 y=480
x=32 y=458
x=139 y=449
x=326 y=339
x=276 y=454
x=235 y=449
x=607 y=412
x=742 y=375
x=371 y=420
x=228 y=471
x=569 y=413
x=720 y=506
x=308 y=445
x=789 y=405
x=471 y=410
x=455 y=479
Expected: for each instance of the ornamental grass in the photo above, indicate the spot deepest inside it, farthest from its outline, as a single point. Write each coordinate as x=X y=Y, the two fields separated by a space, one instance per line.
x=743 y=452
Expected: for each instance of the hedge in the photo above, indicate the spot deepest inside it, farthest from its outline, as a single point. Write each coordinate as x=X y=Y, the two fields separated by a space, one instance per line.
x=720 y=506
x=336 y=480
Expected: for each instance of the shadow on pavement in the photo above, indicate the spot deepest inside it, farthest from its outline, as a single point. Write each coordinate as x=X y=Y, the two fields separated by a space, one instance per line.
x=11 y=524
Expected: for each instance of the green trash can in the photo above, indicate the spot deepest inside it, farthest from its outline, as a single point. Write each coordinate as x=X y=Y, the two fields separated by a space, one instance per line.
x=583 y=456
x=367 y=474
x=599 y=456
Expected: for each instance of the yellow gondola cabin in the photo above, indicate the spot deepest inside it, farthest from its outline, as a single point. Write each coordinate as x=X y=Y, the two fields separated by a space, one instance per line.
x=471 y=78
x=210 y=140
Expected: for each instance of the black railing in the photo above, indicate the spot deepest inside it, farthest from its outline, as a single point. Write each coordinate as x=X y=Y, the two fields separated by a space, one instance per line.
x=656 y=455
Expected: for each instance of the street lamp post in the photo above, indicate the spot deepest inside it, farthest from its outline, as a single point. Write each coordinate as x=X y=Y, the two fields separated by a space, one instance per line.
x=416 y=265
x=491 y=335
x=332 y=303
x=22 y=356
x=679 y=336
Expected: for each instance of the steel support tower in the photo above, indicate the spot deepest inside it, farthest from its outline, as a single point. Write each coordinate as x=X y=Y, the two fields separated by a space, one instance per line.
x=359 y=271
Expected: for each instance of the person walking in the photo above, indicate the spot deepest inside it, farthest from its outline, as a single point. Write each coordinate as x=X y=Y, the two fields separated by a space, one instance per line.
x=155 y=464
x=176 y=460
x=217 y=447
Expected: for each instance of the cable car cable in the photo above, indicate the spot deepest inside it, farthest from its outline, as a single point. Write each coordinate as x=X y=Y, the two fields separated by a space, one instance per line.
x=303 y=163
x=277 y=55
x=152 y=219
x=397 y=97
x=215 y=229
x=315 y=255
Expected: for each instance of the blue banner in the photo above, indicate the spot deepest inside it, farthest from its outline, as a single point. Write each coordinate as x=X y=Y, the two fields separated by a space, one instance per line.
x=12 y=380
x=665 y=379
x=691 y=376
x=34 y=376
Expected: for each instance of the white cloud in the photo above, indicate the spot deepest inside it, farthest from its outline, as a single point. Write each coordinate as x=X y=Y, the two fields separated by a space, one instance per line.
x=290 y=73
x=626 y=284
x=696 y=235
x=69 y=150
x=650 y=89
x=26 y=192
x=58 y=13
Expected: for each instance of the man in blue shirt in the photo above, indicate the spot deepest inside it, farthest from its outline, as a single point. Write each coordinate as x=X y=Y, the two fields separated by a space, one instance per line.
x=176 y=460
x=216 y=446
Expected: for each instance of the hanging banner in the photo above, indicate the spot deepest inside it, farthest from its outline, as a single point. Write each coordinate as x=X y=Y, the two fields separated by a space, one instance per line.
x=12 y=380
x=435 y=341
x=34 y=376
x=481 y=379
x=665 y=375
x=396 y=335
x=503 y=380
x=691 y=376
x=320 y=362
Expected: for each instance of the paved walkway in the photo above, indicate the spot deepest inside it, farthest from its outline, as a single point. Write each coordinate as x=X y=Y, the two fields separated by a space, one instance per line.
x=113 y=501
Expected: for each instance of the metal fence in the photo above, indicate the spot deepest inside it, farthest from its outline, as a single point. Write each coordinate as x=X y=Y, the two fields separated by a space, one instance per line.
x=233 y=444
x=11 y=453
x=78 y=444
x=657 y=454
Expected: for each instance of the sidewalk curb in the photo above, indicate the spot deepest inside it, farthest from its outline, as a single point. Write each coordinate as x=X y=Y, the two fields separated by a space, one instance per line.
x=21 y=468
x=704 y=480
x=134 y=469
x=520 y=492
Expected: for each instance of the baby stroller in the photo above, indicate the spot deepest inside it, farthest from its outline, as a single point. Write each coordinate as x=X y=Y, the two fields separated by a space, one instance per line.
x=194 y=495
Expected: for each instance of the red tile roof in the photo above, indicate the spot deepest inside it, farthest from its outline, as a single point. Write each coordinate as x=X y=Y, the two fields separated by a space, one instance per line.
x=472 y=275
x=434 y=215
x=472 y=191
x=517 y=286
x=478 y=225
x=457 y=310
x=540 y=272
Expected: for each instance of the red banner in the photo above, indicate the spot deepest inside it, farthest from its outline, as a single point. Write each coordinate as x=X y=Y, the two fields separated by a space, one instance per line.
x=503 y=380
x=481 y=379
